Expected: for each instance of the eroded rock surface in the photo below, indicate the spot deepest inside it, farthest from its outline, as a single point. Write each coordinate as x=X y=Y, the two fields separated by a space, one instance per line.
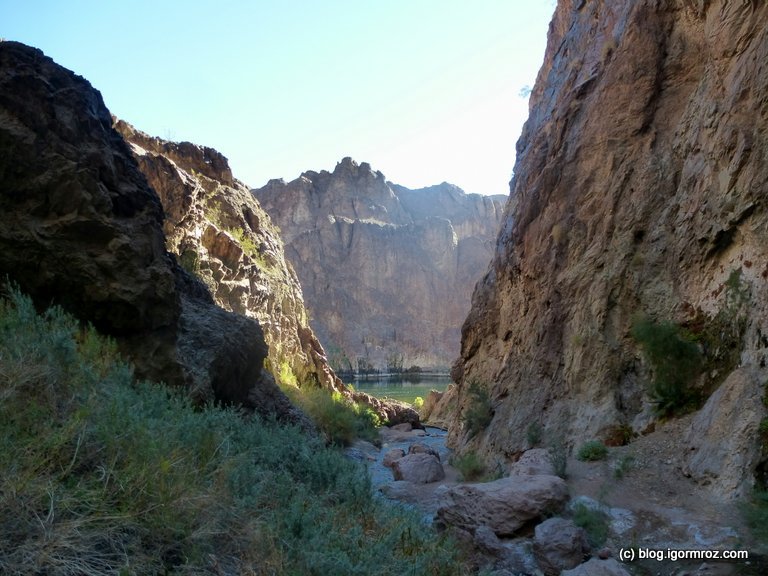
x=387 y=272
x=82 y=228
x=639 y=189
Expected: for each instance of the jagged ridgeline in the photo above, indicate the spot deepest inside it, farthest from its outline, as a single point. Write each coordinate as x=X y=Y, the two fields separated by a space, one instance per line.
x=387 y=272
x=221 y=235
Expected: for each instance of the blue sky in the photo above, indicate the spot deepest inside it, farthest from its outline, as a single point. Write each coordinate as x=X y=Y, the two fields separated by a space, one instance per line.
x=425 y=90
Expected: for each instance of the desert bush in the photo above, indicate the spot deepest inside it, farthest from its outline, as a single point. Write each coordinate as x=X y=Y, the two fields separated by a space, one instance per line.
x=592 y=451
x=342 y=421
x=479 y=411
x=756 y=514
x=594 y=522
x=533 y=434
x=558 y=453
x=101 y=474
x=675 y=361
x=622 y=466
x=470 y=466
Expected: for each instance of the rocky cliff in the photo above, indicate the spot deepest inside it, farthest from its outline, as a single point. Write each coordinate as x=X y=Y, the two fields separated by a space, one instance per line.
x=387 y=272
x=220 y=233
x=638 y=196
x=82 y=228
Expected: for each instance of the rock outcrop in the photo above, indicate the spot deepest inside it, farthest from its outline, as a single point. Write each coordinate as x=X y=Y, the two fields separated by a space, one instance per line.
x=220 y=233
x=387 y=272
x=82 y=228
x=639 y=190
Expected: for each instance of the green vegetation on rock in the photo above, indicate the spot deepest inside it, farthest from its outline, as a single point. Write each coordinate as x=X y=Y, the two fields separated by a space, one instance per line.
x=101 y=474
x=676 y=362
x=479 y=411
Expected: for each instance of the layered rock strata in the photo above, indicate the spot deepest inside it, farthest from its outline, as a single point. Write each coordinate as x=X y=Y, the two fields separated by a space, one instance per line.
x=639 y=190
x=81 y=228
x=387 y=272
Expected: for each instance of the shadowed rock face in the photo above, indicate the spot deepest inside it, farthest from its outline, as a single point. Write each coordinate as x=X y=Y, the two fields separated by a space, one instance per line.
x=82 y=228
x=639 y=188
x=221 y=234
x=387 y=272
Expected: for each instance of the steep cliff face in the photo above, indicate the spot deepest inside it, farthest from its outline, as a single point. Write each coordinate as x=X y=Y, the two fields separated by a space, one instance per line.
x=387 y=272
x=639 y=189
x=82 y=228
x=221 y=234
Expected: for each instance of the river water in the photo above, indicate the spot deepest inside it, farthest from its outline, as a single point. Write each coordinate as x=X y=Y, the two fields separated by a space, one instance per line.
x=400 y=387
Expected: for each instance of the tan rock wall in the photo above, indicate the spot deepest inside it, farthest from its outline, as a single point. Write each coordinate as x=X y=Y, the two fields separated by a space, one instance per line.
x=639 y=188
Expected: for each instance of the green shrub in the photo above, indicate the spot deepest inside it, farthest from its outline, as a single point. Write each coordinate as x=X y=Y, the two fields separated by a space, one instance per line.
x=470 y=466
x=756 y=514
x=594 y=522
x=622 y=466
x=479 y=411
x=418 y=402
x=100 y=474
x=676 y=362
x=558 y=453
x=533 y=434
x=341 y=421
x=592 y=451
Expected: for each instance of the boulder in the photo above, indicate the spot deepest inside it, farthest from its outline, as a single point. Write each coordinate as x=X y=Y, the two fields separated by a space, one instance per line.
x=723 y=442
x=597 y=567
x=392 y=456
x=418 y=468
x=559 y=544
x=504 y=505
x=423 y=449
x=532 y=462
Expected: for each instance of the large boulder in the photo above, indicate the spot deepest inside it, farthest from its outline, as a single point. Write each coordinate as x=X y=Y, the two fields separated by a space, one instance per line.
x=419 y=468
x=80 y=227
x=723 y=440
x=504 y=505
x=559 y=544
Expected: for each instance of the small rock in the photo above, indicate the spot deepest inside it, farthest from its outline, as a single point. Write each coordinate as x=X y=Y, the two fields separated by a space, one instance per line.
x=558 y=545
x=604 y=553
x=404 y=427
x=533 y=461
x=487 y=541
x=392 y=456
x=423 y=449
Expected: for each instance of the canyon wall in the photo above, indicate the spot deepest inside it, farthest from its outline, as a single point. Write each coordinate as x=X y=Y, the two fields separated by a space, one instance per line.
x=387 y=272
x=220 y=234
x=639 y=192
x=82 y=229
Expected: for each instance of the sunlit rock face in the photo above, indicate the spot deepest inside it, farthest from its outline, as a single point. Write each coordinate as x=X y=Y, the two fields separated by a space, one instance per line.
x=387 y=272
x=639 y=189
x=220 y=233
x=81 y=228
